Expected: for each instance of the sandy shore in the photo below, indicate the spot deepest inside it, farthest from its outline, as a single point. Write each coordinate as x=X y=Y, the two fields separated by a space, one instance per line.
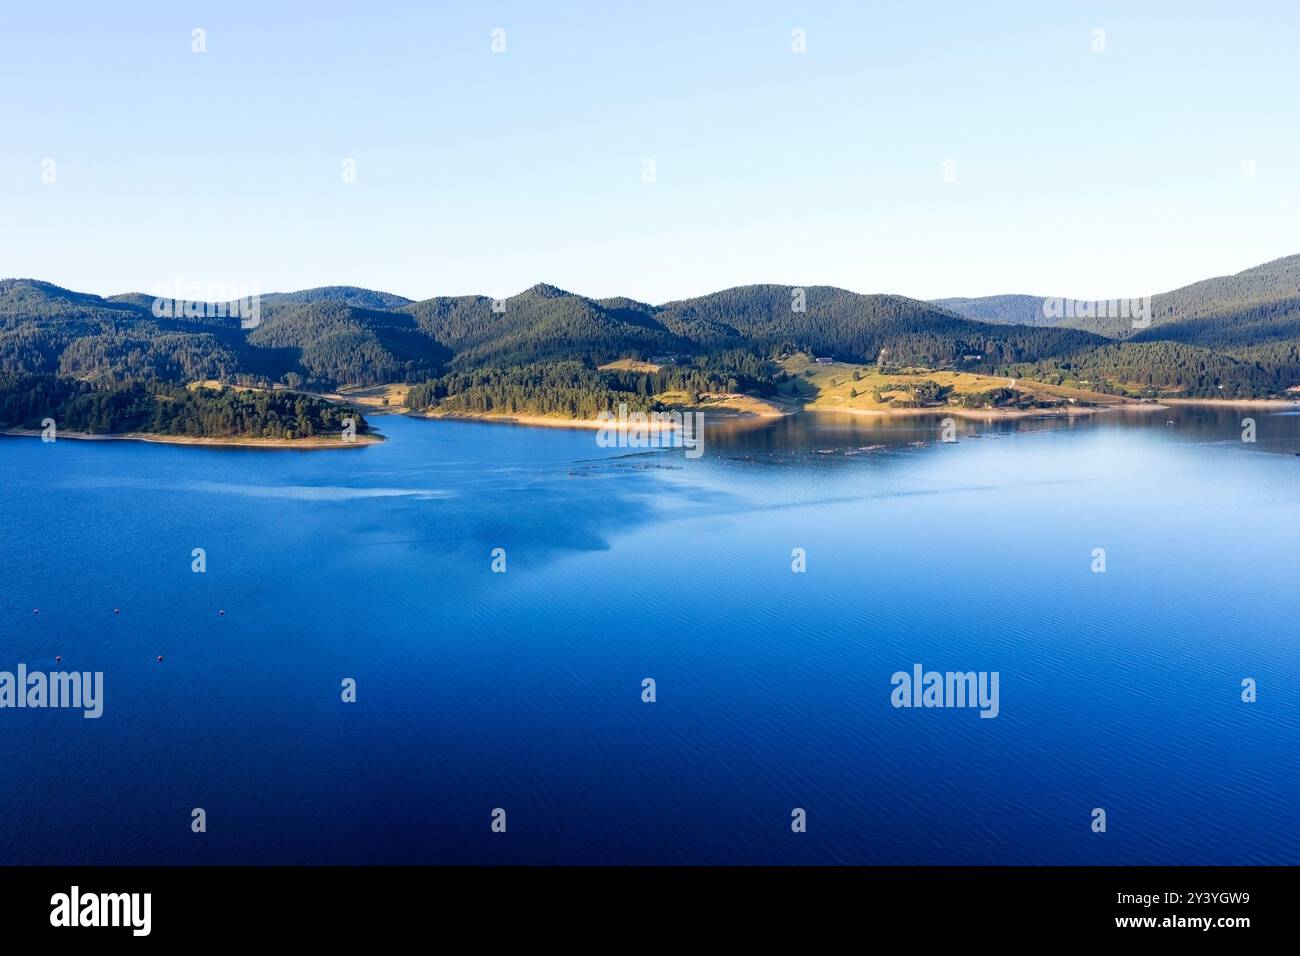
x=1235 y=402
x=304 y=444
x=728 y=408
x=989 y=414
x=771 y=412
x=980 y=414
x=540 y=421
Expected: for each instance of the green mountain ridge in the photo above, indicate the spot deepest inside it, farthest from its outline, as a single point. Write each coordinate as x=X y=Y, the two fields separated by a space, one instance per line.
x=1233 y=334
x=1256 y=297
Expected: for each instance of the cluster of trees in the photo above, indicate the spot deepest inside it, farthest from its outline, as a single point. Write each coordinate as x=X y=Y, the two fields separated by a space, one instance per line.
x=1006 y=398
x=732 y=371
x=919 y=394
x=114 y=350
x=576 y=390
x=1153 y=368
x=331 y=344
x=570 y=389
x=75 y=405
x=164 y=356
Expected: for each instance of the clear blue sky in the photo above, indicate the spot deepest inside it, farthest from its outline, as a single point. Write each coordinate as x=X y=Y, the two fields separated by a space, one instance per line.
x=1077 y=173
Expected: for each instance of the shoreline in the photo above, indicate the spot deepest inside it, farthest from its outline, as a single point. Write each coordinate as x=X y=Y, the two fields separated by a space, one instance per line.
x=770 y=413
x=980 y=414
x=536 y=421
x=1237 y=402
x=715 y=412
x=741 y=408
x=985 y=414
x=303 y=444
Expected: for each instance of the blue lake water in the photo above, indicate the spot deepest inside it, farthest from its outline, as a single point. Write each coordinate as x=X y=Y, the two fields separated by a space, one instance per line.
x=477 y=690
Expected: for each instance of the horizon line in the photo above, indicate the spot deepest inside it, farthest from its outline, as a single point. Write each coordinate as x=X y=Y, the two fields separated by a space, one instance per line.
x=663 y=303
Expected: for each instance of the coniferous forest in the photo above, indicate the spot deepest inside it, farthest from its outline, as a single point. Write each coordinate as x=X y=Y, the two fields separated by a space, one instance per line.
x=113 y=365
x=26 y=400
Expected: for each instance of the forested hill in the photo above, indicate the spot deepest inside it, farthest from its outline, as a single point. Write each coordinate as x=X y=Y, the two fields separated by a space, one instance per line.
x=858 y=328
x=1257 y=305
x=1240 y=332
x=1002 y=309
x=328 y=338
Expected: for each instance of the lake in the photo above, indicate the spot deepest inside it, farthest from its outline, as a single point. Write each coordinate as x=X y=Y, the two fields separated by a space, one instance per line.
x=522 y=690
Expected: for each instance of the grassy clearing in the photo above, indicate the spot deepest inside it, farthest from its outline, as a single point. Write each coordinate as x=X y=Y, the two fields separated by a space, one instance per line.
x=840 y=386
x=724 y=403
x=629 y=365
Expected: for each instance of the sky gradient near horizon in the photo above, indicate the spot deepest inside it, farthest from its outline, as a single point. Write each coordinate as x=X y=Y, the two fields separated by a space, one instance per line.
x=1170 y=157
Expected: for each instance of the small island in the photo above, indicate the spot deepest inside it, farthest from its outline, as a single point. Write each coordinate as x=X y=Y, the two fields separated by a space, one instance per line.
x=202 y=413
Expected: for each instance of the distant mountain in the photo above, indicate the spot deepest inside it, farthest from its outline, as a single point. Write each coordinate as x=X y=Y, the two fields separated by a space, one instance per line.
x=347 y=294
x=1255 y=305
x=1241 y=330
x=1002 y=309
x=1250 y=308
x=31 y=297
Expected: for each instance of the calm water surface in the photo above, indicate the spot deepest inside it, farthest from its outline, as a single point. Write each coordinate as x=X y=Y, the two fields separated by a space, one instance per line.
x=523 y=690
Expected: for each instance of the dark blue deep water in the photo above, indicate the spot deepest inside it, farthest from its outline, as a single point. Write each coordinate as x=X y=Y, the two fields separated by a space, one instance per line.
x=522 y=690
